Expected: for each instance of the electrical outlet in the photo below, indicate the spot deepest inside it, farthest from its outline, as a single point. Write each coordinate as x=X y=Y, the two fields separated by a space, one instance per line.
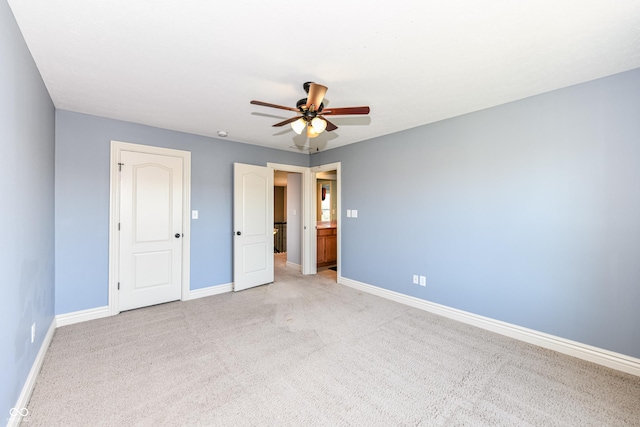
x=415 y=279
x=423 y=281
x=33 y=332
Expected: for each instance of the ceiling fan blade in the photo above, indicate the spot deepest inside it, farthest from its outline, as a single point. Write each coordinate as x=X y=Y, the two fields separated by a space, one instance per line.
x=330 y=126
x=286 y=122
x=346 y=110
x=266 y=104
x=316 y=95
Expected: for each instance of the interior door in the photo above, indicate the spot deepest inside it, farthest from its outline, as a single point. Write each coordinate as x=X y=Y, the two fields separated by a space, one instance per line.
x=150 y=229
x=253 y=226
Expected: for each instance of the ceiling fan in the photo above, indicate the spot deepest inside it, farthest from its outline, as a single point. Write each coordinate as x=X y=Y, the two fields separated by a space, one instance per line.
x=313 y=113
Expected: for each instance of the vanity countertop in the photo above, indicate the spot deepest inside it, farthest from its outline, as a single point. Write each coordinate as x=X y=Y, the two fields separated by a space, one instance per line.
x=326 y=224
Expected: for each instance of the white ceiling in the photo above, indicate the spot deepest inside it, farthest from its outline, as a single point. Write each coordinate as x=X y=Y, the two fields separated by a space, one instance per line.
x=193 y=66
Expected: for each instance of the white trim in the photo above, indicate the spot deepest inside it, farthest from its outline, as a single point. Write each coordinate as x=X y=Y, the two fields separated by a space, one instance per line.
x=114 y=209
x=114 y=241
x=293 y=266
x=29 y=384
x=82 y=316
x=209 y=291
x=610 y=359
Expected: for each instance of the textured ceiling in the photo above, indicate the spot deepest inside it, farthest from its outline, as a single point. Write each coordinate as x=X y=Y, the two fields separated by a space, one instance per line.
x=193 y=66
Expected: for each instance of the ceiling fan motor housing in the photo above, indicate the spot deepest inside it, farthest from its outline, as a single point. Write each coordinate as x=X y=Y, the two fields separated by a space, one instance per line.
x=301 y=104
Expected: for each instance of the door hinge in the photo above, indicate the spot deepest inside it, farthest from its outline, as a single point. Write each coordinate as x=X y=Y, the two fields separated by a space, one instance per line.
x=120 y=167
x=118 y=285
x=118 y=226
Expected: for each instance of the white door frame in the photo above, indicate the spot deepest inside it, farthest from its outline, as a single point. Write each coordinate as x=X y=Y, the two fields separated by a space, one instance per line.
x=313 y=207
x=114 y=216
x=308 y=259
x=309 y=202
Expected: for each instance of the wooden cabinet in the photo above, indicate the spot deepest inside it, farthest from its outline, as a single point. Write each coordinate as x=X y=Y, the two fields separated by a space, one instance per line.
x=327 y=249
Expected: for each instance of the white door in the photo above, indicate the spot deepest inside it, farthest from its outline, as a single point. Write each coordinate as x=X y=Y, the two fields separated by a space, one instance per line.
x=150 y=229
x=253 y=226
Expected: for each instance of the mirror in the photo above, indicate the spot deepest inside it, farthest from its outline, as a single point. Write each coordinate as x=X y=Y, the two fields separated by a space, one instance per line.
x=327 y=200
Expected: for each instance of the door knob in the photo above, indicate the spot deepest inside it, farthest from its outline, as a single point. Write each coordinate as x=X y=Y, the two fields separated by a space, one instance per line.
x=177 y=235
x=238 y=233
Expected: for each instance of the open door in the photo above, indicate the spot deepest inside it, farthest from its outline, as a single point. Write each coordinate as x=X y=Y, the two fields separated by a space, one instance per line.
x=253 y=226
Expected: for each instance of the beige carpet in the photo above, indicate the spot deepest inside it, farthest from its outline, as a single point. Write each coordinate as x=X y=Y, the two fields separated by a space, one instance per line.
x=308 y=352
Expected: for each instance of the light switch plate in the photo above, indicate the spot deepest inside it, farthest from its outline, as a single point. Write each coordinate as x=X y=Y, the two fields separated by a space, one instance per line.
x=354 y=213
x=423 y=281
x=348 y=213
x=194 y=214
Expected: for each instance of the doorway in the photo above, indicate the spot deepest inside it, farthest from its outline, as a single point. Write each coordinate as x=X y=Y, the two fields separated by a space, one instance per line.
x=309 y=207
x=326 y=223
x=288 y=218
x=326 y=208
x=297 y=180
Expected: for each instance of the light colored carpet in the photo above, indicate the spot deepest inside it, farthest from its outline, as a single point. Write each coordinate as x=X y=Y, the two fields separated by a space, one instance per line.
x=309 y=352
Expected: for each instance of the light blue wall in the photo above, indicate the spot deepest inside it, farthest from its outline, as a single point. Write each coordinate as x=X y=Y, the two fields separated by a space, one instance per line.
x=82 y=202
x=26 y=194
x=294 y=218
x=527 y=213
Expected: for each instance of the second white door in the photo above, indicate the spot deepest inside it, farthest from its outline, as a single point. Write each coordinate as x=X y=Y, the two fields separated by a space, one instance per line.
x=253 y=226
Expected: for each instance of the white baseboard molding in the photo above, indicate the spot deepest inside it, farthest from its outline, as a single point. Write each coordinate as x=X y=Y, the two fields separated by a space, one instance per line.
x=100 y=312
x=82 y=316
x=27 y=389
x=209 y=291
x=294 y=266
x=610 y=359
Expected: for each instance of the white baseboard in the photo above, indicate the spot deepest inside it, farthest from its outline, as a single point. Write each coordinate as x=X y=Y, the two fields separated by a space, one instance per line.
x=27 y=389
x=610 y=359
x=294 y=266
x=209 y=291
x=82 y=316
x=100 y=312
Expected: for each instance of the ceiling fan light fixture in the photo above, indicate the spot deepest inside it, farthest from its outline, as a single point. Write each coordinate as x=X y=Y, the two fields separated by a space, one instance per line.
x=319 y=125
x=299 y=125
x=311 y=132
